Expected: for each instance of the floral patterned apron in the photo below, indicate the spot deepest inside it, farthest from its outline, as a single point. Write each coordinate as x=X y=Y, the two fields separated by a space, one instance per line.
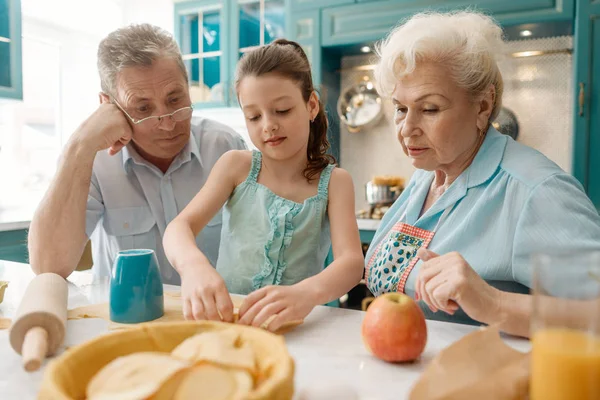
x=396 y=255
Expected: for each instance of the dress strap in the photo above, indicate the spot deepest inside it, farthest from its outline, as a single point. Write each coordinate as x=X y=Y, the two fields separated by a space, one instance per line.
x=324 y=181
x=255 y=168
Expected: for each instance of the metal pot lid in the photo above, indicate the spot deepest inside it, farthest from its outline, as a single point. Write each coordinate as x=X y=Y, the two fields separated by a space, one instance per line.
x=506 y=123
x=359 y=106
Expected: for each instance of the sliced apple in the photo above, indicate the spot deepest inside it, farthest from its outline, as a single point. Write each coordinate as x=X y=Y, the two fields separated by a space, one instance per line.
x=225 y=347
x=210 y=382
x=135 y=376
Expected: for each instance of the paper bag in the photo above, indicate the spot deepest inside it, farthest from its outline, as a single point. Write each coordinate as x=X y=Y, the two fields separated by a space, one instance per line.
x=478 y=366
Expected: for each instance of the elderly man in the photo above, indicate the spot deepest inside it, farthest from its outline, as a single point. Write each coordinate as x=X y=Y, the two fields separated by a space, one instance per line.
x=135 y=163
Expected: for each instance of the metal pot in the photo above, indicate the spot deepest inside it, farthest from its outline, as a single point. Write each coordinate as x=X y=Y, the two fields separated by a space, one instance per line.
x=359 y=106
x=381 y=194
x=506 y=123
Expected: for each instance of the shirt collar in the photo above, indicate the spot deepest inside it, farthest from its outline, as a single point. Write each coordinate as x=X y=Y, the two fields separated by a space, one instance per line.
x=488 y=158
x=191 y=148
x=194 y=150
x=484 y=165
x=128 y=153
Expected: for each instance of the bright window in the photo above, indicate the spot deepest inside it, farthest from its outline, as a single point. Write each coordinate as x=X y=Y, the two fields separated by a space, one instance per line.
x=30 y=135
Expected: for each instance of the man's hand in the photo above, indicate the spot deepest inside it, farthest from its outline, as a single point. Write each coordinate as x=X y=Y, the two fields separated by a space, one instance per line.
x=106 y=128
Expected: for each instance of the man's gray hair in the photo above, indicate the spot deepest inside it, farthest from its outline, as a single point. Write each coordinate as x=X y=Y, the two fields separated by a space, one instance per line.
x=135 y=45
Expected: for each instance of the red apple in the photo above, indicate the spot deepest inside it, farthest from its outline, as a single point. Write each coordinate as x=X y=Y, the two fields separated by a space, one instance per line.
x=394 y=328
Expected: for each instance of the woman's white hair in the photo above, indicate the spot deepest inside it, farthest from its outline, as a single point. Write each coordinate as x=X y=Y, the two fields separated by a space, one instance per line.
x=136 y=45
x=465 y=42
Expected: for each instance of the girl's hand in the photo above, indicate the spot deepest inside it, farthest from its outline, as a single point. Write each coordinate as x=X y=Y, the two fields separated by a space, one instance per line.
x=447 y=282
x=275 y=305
x=205 y=295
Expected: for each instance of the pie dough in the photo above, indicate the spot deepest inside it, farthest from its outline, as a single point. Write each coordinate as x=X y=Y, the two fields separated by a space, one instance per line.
x=173 y=312
x=215 y=383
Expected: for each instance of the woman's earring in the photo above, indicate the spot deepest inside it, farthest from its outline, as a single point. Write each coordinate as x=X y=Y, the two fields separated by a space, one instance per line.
x=313 y=120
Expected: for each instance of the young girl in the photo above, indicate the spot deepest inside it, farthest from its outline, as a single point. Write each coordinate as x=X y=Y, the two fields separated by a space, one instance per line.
x=285 y=205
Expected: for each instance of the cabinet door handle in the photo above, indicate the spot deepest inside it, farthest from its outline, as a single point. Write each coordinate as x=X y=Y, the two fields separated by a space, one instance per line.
x=581 y=98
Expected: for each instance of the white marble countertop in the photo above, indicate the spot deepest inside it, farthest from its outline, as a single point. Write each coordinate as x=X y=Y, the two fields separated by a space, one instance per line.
x=13 y=226
x=12 y=219
x=331 y=360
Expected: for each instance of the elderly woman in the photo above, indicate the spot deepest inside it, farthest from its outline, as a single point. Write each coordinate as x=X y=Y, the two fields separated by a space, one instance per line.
x=460 y=236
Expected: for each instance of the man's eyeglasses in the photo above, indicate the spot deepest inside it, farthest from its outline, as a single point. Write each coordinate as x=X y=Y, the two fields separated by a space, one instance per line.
x=178 y=115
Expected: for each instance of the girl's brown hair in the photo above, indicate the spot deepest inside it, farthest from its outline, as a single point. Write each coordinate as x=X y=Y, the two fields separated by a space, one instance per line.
x=287 y=59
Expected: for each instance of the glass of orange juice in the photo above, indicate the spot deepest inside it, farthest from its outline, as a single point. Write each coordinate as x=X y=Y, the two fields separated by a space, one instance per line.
x=565 y=326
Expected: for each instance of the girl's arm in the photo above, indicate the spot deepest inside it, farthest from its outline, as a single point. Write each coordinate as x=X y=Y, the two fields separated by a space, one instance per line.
x=347 y=269
x=204 y=292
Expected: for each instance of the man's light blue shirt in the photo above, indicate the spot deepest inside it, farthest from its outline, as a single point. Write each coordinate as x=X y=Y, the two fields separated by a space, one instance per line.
x=509 y=203
x=131 y=202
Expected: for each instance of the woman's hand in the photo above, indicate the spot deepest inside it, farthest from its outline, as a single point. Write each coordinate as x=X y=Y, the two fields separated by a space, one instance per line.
x=204 y=294
x=447 y=282
x=275 y=306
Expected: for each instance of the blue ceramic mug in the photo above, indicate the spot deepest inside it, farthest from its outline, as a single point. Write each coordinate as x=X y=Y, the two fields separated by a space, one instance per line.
x=136 y=290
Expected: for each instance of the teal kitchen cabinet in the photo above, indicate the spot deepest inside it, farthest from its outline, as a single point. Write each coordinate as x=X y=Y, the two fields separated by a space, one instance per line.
x=13 y=246
x=304 y=27
x=586 y=151
x=213 y=34
x=256 y=23
x=371 y=20
x=11 y=81
x=539 y=7
x=515 y=11
x=200 y=28
x=307 y=4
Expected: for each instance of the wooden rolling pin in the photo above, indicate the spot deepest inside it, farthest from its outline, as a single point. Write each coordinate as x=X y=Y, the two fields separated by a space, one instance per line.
x=38 y=328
